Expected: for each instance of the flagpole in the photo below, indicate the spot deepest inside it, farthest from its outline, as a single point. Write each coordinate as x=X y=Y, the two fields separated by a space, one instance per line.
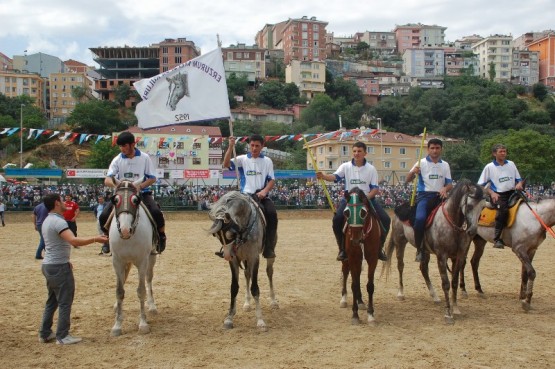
x=322 y=182
x=234 y=155
x=418 y=166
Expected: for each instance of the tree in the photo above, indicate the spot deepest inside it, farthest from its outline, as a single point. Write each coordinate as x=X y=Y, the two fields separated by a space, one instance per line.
x=96 y=116
x=320 y=111
x=236 y=86
x=340 y=87
x=122 y=94
x=540 y=91
x=272 y=94
x=102 y=154
x=491 y=71
x=78 y=93
x=292 y=93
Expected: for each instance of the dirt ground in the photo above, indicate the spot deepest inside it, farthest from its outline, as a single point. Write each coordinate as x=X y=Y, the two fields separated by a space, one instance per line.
x=309 y=330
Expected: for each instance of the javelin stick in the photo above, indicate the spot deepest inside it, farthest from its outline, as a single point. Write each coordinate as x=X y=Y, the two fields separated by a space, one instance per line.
x=548 y=229
x=413 y=196
x=322 y=182
x=234 y=156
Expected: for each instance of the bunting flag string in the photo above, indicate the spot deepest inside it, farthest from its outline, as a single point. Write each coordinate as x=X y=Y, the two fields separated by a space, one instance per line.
x=80 y=138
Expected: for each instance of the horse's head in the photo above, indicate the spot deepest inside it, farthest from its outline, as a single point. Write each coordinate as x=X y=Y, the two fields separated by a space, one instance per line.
x=356 y=213
x=467 y=204
x=178 y=88
x=126 y=201
x=233 y=219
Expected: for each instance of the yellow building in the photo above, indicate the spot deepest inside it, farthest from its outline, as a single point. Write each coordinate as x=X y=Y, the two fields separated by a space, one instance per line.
x=309 y=76
x=392 y=153
x=62 y=102
x=14 y=84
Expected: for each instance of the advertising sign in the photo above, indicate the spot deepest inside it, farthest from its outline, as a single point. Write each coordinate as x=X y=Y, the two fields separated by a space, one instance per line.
x=187 y=173
x=86 y=173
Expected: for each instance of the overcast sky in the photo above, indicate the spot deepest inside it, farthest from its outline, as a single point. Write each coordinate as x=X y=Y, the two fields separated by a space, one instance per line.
x=67 y=28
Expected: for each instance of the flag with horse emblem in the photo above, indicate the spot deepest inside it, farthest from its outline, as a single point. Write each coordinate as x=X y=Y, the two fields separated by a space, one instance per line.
x=192 y=92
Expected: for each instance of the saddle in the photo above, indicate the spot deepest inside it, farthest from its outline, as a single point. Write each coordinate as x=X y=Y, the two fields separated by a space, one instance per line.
x=407 y=213
x=487 y=216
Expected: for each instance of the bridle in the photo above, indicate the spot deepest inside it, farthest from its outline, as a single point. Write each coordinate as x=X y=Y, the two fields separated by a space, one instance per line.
x=356 y=213
x=126 y=200
x=464 y=209
x=231 y=235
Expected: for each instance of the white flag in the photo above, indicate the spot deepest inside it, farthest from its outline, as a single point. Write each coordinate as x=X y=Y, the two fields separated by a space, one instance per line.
x=191 y=92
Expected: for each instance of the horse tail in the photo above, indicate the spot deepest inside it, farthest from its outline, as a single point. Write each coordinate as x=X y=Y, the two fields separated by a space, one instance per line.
x=386 y=269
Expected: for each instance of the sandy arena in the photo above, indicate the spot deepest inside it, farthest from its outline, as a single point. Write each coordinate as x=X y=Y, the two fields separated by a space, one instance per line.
x=191 y=287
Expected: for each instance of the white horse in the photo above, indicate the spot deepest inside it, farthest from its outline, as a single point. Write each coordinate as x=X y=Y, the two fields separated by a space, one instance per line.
x=523 y=237
x=131 y=242
x=239 y=227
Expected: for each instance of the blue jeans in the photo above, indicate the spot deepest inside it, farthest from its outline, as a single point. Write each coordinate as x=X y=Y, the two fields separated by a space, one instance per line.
x=40 y=248
x=61 y=289
x=425 y=202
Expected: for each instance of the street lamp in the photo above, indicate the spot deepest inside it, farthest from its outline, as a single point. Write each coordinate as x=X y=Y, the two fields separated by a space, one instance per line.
x=21 y=136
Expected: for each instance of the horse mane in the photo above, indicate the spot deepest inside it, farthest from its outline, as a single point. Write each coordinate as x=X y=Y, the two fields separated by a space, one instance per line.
x=462 y=188
x=226 y=205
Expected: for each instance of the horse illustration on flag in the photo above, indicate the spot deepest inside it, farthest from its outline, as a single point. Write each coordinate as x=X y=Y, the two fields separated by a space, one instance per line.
x=178 y=89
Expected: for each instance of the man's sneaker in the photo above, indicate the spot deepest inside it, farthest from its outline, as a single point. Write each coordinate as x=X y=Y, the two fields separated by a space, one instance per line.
x=499 y=244
x=50 y=337
x=68 y=340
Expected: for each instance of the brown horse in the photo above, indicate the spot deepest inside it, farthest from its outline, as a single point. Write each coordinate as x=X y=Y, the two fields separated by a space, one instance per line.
x=362 y=233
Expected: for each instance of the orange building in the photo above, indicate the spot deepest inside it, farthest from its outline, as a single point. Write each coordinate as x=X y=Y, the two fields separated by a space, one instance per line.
x=14 y=84
x=546 y=48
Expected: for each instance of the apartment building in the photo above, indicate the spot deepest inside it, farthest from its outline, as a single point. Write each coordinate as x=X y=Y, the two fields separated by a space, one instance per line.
x=263 y=115
x=459 y=61
x=303 y=39
x=76 y=66
x=522 y=42
x=40 y=63
x=495 y=53
x=418 y=35
x=392 y=153
x=14 y=83
x=381 y=43
x=424 y=62
x=309 y=76
x=5 y=63
x=545 y=46
x=245 y=60
x=466 y=42
x=525 y=70
x=174 y=52
x=62 y=102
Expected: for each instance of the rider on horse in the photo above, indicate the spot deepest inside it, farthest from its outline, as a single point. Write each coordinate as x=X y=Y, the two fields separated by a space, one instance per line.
x=257 y=179
x=357 y=173
x=133 y=164
x=434 y=182
x=504 y=178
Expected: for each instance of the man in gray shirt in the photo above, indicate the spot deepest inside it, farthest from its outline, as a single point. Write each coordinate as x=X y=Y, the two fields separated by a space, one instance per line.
x=57 y=270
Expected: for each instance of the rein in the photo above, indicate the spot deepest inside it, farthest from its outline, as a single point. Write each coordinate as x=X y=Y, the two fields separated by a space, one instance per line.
x=464 y=226
x=128 y=207
x=241 y=234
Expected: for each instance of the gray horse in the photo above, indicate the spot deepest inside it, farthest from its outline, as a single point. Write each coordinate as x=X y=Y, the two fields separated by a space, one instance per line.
x=178 y=88
x=448 y=237
x=239 y=226
x=131 y=242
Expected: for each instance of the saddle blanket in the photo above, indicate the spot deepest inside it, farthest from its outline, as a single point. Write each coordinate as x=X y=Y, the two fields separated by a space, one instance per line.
x=487 y=216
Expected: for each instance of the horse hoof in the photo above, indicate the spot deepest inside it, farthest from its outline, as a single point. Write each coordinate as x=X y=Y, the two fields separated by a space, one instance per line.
x=228 y=325
x=372 y=321
x=464 y=294
x=274 y=305
x=144 y=329
x=246 y=307
x=456 y=311
x=449 y=320
x=355 y=321
x=153 y=311
x=343 y=304
x=262 y=326
x=525 y=305
x=400 y=297
x=481 y=295
x=116 y=332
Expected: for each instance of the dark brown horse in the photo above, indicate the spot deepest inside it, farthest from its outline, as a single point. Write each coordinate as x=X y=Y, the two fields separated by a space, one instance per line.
x=362 y=233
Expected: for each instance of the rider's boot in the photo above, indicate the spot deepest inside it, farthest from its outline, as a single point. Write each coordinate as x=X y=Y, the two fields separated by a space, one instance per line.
x=497 y=241
x=269 y=246
x=341 y=256
x=381 y=254
x=419 y=243
x=161 y=242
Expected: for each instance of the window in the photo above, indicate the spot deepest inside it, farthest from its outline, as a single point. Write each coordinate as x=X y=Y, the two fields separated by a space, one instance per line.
x=178 y=60
x=305 y=43
x=304 y=26
x=344 y=150
x=178 y=49
x=403 y=165
x=370 y=149
x=321 y=150
x=387 y=164
x=164 y=50
x=330 y=149
x=330 y=164
x=315 y=27
x=305 y=35
x=179 y=145
x=196 y=161
x=164 y=60
x=402 y=151
x=246 y=55
x=387 y=150
x=163 y=161
x=180 y=160
x=197 y=146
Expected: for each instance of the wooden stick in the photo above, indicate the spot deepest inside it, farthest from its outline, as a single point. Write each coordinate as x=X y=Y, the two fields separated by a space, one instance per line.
x=322 y=182
x=413 y=196
x=234 y=156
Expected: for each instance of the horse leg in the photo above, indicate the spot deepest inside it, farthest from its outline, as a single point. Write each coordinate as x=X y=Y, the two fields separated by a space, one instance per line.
x=442 y=266
x=248 y=296
x=372 y=264
x=355 y=267
x=458 y=264
x=234 y=266
x=255 y=290
x=270 y=273
x=121 y=271
x=426 y=275
x=528 y=275
x=141 y=294
x=479 y=246
x=400 y=253
x=149 y=276
x=344 y=277
x=462 y=284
